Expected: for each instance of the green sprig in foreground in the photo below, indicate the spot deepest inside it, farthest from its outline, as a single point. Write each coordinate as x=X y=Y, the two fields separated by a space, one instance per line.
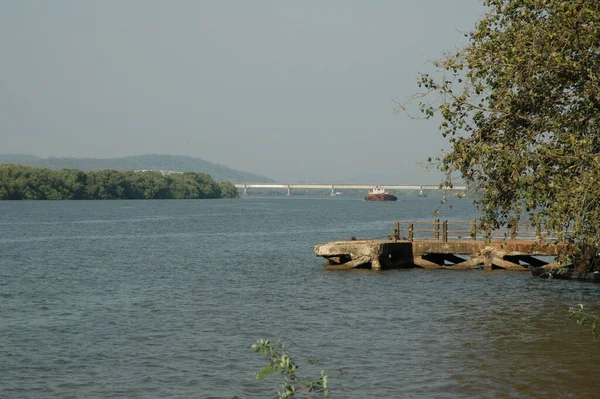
x=585 y=318
x=280 y=362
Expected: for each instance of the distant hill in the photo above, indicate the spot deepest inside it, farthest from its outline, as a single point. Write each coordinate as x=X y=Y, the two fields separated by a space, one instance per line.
x=177 y=163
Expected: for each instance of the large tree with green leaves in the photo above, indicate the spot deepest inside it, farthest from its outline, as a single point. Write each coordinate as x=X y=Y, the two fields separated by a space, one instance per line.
x=520 y=105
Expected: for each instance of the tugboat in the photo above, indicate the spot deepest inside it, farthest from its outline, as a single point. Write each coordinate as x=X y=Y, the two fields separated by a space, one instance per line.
x=380 y=194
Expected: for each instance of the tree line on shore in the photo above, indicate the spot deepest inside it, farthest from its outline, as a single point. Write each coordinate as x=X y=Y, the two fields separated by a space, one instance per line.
x=136 y=162
x=18 y=182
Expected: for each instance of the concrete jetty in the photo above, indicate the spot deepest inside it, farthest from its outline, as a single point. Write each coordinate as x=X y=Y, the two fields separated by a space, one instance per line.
x=446 y=246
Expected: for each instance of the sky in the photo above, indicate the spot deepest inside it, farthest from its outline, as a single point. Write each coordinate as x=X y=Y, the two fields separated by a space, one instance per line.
x=299 y=91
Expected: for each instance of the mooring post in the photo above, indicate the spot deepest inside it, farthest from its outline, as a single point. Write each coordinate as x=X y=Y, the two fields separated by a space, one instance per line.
x=436 y=229
x=474 y=230
x=410 y=231
x=445 y=231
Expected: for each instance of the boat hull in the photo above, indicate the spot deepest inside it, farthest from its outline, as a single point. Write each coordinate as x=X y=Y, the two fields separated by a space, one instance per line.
x=381 y=197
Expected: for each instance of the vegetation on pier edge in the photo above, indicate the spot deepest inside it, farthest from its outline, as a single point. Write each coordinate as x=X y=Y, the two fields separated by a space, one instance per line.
x=520 y=105
x=19 y=182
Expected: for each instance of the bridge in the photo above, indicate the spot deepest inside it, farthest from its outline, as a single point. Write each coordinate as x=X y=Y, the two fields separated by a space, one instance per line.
x=334 y=187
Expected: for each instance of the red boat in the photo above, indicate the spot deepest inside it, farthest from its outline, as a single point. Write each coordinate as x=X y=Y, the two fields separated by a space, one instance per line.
x=380 y=194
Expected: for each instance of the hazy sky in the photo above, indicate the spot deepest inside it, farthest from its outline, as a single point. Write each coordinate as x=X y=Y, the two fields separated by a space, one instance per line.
x=294 y=90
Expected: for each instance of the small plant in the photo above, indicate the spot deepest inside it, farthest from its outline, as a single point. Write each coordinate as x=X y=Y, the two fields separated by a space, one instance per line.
x=280 y=362
x=584 y=318
x=557 y=271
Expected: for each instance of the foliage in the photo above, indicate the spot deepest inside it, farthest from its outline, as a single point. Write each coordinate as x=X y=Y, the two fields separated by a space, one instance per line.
x=228 y=190
x=176 y=163
x=280 y=362
x=22 y=182
x=520 y=105
x=585 y=318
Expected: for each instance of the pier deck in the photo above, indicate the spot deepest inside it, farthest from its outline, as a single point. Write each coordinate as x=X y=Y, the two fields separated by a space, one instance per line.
x=445 y=247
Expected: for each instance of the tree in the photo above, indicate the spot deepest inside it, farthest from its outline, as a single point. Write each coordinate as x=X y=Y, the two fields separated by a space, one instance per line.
x=520 y=105
x=19 y=182
x=228 y=190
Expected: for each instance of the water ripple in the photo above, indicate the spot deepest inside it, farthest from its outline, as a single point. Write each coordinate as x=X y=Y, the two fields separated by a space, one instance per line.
x=163 y=299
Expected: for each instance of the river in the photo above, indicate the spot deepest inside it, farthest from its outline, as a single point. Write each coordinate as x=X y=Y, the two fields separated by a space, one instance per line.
x=162 y=299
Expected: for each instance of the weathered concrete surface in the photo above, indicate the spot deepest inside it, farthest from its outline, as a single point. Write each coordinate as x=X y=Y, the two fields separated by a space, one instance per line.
x=507 y=248
x=436 y=254
x=357 y=253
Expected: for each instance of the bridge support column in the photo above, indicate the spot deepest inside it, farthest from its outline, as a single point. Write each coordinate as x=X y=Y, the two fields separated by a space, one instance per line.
x=289 y=191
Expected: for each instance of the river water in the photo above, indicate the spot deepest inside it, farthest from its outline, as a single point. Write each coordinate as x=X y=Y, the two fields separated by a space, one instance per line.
x=162 y=299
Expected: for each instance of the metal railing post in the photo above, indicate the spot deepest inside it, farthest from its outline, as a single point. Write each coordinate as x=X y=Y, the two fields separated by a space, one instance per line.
x=445 y=231
x=474 y=230
x=436 y=229
x=410 y=231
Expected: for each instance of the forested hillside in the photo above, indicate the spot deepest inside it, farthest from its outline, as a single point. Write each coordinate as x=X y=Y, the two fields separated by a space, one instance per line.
x=19 y=182
x=139 y=162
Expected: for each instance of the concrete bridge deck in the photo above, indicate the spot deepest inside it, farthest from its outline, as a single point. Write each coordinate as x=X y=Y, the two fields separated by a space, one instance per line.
x=334 y=187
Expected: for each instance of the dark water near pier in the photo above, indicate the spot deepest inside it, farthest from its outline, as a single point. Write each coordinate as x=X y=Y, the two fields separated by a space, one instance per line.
x=162 y=299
